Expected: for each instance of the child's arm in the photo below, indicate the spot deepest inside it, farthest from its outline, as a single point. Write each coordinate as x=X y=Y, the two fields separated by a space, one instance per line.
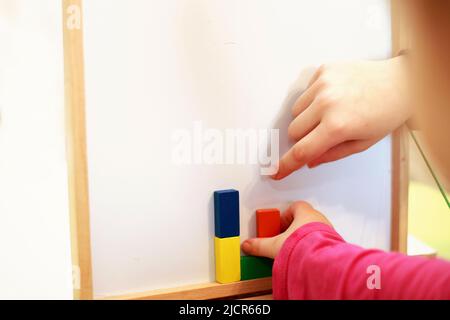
x=314 y=262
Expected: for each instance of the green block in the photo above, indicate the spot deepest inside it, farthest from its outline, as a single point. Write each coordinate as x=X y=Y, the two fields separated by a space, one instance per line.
x=255 y=267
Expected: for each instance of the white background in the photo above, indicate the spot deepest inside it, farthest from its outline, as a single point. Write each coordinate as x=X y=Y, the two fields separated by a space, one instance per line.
x=156 y=66
x=35 y=261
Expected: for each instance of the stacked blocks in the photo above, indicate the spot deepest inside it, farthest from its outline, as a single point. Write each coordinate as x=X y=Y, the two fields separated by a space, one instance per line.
x=268 y=223
x=230 y=266
x=227 y=241
x=255 y=267
x=226 y=213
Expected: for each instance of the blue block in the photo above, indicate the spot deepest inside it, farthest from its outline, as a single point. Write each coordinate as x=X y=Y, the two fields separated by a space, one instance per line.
x=226 y=213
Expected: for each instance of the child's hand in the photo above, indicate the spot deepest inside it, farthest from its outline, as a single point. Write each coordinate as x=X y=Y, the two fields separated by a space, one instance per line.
x=298 y=214
x=346 y=109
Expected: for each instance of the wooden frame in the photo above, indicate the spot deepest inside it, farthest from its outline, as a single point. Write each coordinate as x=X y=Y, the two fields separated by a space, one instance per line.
x=76 y=149
x=78 y=178
x=207 y=291
x=400 y=146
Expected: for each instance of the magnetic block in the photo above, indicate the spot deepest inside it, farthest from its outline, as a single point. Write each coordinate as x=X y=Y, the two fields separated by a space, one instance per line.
x=268 y=223
x=228 y=266
x=255 y=267
x=226 y=213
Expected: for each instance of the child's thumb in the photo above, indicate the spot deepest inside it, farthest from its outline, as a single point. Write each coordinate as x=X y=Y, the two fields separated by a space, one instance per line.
x=262 y=247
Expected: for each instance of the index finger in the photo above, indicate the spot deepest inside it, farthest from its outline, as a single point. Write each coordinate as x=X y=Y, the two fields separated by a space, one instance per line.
x=307 y=149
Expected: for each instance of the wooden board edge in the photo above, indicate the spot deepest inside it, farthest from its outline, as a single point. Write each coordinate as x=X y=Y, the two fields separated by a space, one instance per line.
x=400 y=186
x=206 y=291
x=400 y=147
x=76 y=148
x=261 y=297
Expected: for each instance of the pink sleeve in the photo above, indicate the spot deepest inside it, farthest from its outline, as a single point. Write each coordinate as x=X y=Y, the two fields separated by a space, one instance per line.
x=316 y=263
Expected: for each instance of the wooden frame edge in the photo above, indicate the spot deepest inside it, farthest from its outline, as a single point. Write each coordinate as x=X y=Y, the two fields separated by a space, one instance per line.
x=207 y=291
x=76 y=148
x=400 y=148
x=400 y=190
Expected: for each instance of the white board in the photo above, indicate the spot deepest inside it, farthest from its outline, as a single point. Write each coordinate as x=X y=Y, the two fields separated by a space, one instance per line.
x=154 y=67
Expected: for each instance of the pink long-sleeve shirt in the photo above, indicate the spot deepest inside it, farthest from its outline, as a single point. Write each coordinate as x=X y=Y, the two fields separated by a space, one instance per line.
x=316 y=263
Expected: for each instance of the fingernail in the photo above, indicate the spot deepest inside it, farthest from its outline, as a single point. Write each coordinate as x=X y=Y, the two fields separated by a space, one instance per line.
x=246 y=246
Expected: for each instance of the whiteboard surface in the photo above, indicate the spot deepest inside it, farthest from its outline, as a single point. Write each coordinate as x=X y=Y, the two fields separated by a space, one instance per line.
x=153 y=67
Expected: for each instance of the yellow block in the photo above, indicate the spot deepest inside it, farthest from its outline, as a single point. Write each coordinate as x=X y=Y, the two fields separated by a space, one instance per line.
x=228 y=259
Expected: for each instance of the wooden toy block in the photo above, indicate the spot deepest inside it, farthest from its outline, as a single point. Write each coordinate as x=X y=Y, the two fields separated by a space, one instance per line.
x=255 y=267
x=268 y=223
x=226 y=213
x=228 y=266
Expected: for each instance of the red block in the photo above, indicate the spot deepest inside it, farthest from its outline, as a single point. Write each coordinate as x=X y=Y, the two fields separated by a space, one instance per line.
x=268 y=223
